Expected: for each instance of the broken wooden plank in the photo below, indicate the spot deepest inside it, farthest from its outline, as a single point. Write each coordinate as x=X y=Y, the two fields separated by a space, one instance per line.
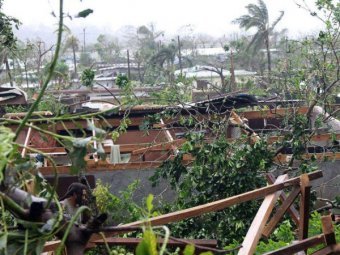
x=223 y=203
x=273 y=113
x=27 y=140
x=48 y=150
x=159 y=146
x=319 y=156
x=254 y=232
x=314 y=138
x=51 y=245
x=132 y=242
x=268 y=230
x=291 y=210
x=23 y=114
x=299 y=246
x=238 y=120
x=304 y=206
x=217 y=205
x=101 y=166
x=324 y=251
x=328 y=230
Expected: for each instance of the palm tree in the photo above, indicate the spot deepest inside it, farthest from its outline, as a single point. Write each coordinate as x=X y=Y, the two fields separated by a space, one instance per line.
x=73 y=43
x=165 y=59
x=258 y=18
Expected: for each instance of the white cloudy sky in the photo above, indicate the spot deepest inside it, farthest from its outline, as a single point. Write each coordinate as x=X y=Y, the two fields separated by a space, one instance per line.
x=213 y=17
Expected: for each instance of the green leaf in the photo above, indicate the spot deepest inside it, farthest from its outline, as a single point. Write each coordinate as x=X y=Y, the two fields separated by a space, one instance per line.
x=148 y=246
x=101 y=152
x=3 y=241
x=142 y=248
x=84 y=13
x=149 y=204
x=40 y=246
x=77 y=158
x=207 y=253
x=81 y=142
x=99 y=132
x=189 y=250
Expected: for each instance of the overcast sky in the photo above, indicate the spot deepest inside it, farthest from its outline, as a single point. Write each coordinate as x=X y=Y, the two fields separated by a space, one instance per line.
x=213 y=17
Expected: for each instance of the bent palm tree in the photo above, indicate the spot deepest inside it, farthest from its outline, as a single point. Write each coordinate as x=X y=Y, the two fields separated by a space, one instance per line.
x=73 y=43
x=165 y=59
x=258 y=18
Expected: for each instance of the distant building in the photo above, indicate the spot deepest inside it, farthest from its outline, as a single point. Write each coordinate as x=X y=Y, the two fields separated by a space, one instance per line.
x=204 y=78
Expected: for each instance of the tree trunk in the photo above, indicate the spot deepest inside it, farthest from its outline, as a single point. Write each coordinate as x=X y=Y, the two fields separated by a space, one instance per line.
x=8 y=71
x=179 y=55
x=232 y=73
x=25 y=67
x=223 y=82
x=74 y=61
x=268 y=56
x=141 y=77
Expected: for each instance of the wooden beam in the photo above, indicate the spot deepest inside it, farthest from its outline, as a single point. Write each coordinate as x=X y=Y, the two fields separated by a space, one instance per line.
x=299 y=246
x=159 y=146
x=51 y=246
x=268 y=230
x=328 y=230
x=49 y=150
x=238 y=120
x=93 y=167
x=318 y=156
x=291 y=210
x=132 y=242
x=324 y=251
x=27 y=140
x=254 y=232
x=273 y=113
x=304 y=206
x=95 y=146
x=314 y=138
x=124 y=148
x=18 y=115
x=223 y=203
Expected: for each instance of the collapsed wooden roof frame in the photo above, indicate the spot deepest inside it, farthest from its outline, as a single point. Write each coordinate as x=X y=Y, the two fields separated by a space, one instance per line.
x=173 y=144
x=261 y=225
x=301 y=185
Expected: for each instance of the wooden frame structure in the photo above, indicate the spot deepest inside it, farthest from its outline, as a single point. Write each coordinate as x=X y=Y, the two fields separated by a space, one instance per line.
x=261 y=225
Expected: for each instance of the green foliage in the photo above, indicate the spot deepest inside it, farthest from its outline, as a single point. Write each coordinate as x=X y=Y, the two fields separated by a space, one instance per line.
x=107 y=48
x=51 y=104
x=179 y=92
x=148 y=245
x=7 y=37
x=6 y=149
x=15 y=108
x=122 y=208
x=285 y=234
x=60 y=73
x=122 y=81
x=84 y=13
x=87 y=77
x=220 y=170
x=85 y=59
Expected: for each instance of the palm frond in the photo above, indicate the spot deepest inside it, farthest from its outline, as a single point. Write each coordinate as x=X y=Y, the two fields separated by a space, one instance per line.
x=247 y=22
x=257 y=42
x=276 y=21
x=264 y=10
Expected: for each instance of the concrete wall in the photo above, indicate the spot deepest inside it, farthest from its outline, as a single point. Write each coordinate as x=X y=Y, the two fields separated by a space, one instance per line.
x=329 y=186
x=119 y=180
x=326 y=187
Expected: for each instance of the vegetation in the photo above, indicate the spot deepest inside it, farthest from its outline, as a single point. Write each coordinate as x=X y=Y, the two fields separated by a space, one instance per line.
x=258 y=17
x=309 y=69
